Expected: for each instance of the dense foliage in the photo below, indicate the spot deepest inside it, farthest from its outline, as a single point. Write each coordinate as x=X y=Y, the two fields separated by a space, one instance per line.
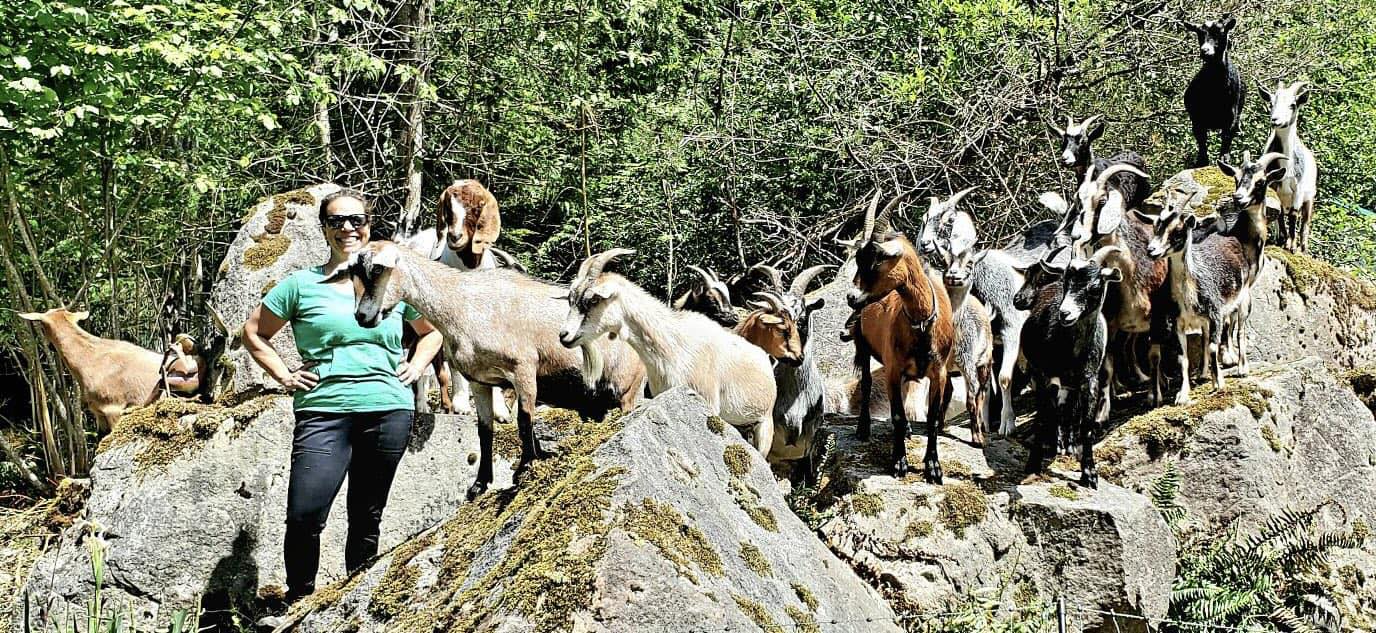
x=720 y=132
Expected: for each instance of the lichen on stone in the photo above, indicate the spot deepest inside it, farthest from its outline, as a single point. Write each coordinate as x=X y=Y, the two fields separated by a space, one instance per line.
x=748 y=499
x=266 y=252
x=962 y=505
x=398 y=584
x=867 y=504
x=681 y=544
x=918 y=529
x=805 y=596
x=1165 y=428
x=803 y=622
x=1269 y=434
x=1063 y=491
x=757 y=614
x=737 y=458
x=755 y=560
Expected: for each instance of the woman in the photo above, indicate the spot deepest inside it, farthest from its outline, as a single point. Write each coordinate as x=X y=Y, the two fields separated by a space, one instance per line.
x=353 y=407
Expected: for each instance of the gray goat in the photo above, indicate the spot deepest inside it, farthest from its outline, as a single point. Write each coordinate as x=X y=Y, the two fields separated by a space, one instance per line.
x=1300 y=184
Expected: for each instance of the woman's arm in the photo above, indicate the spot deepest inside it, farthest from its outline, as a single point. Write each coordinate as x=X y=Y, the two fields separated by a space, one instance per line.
x=425 y=349
x=261 y=326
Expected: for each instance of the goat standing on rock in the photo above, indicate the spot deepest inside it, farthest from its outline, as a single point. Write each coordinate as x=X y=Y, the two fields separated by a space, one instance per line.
x=1300 y=185
x=1078 y=154
x=905 y=322
x=1215 y=96
x=677 y=347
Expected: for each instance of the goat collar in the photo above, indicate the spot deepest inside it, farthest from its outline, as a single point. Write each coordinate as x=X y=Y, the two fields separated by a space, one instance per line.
x=926 y=324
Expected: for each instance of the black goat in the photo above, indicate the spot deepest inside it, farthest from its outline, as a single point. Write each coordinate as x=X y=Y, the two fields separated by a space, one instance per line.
x=1063 y=341
x=1077 y=153
x=1215 y=96
x=706 y=294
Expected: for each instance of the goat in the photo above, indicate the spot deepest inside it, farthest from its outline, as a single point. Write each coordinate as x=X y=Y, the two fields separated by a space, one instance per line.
x=501 y=328
x=114 y=375
x=1216 y=94
x=948 y=238
x=708 y=295
x=1064 y=341
x=1250 y=228
x=1300 y=184
x=1078 y=154
x=781 y=326
x=752 y=281
x=1209 y=281
x=905 y=322
x=676 y=347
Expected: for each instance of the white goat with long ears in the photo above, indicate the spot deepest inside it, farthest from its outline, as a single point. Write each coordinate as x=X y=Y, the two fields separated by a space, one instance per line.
x=677 y=347
x=1299 y=187
x=503 y=329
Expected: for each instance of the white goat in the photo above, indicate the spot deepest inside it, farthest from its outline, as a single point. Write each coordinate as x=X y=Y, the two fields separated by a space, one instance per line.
x=1300 y=184
x=677 y=347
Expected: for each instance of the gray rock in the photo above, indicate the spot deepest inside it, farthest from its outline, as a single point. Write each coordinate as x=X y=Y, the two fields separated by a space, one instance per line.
x=659 y=543
x=1105 y=549
x=211 y=522
x=1303 y=308
x=281 y=235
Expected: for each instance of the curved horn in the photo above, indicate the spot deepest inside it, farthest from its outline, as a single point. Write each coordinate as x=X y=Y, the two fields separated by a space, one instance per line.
x=957 y=196
x=774 y=302
x=1246 y=157
x=1103 y=253
x=592 y=266
x=881 y=223
x=805 y=277
x=1102 y=181
x=776 y=278
x=869 y=217
x=1084 y=125
x=707 y=277
x=1265 y=161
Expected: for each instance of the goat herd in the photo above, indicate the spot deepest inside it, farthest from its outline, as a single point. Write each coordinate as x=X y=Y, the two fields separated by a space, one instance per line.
x=1078 y=301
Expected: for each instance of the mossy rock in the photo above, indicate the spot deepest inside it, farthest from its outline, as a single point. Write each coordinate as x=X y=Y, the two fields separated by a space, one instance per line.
x=805 y=596
x=867 y=504
x=1063 y=491
x=757 y=614
x=163 y=437
x=1165 y=428
x=962 y=505
x=265 y=252
x=679 y=543
x=755 y=560
x=737 y=458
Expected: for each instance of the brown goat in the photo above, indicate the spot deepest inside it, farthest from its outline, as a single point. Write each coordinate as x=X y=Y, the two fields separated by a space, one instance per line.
x=468 y=220
x=114 y=375
x=771 y=328
x=905 y=322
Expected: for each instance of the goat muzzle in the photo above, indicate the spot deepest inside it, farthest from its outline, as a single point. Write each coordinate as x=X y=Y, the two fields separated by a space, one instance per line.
x=568 y=339
x=857 y=299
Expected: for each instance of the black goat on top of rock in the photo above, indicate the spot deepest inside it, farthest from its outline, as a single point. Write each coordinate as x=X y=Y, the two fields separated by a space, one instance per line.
x=1077 y=154
x=1215 y=96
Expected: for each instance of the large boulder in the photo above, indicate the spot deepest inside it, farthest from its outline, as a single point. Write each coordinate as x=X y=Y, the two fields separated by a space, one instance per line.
x=1305 y=308
x=192 y=500
x=280 y=235
x=1106 y=549
x=662 y=521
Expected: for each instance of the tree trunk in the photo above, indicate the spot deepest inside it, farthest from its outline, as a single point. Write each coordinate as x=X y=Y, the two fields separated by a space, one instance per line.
x=414 y=22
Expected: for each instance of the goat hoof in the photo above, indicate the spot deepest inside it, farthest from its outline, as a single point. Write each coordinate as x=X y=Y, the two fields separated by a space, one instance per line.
x=931 y=471
x=900 y=468
x=1089 y=479
x=476 y=490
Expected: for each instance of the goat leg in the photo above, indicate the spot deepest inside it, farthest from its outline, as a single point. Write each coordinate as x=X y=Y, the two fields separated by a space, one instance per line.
x=1306 y=216
x=1201 y=141
x=525 y=421
x=899 y=418
x=484 y=478
x=445 y=378
x=862 y=364
x=1045 y=419
x=1088 y=421
x=936 y=418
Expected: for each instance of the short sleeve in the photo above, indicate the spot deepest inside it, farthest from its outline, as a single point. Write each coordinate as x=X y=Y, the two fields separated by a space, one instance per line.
x=409 y=313
x=283 y=298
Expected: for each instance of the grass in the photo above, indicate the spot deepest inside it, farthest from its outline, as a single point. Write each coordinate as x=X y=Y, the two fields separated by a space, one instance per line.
x=962 y=505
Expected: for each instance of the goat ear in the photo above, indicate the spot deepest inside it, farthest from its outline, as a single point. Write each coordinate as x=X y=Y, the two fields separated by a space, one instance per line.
x=1276 y=172
x=1191 y=220
x=816 y=304
x=442 y=213
x=1301 y=93
x=1111 y=214
x=1109 y=273
x=31 y=316
x=1190 y=26
x=80 y=316
x=891 y=249
x=386 y=256
x=1229 y=22
x=1144 y=216
x=1096 y=131
x=1266 y=94
x=1055 y=130
x=1211 y=222
x=1053 y=201
x=1227 y=169
x=603 y=292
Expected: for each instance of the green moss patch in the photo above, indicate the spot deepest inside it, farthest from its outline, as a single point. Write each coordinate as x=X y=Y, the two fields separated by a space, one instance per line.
x=757 y=614
x=1166 y=428
x=749 y=501
x=737 y=458
x=277 y=215
x=1269 y=434
x=266 y=252
x=755 y=560
x=683 y=545
x=917 y=529
x=716 y=425
x=805 y=596
x=1306 y=276
x=803 y=622
x=159 y=429
x=956 y=468
x=867 y=503
x=1064 y=492
x=393 y=592
x=962 y=505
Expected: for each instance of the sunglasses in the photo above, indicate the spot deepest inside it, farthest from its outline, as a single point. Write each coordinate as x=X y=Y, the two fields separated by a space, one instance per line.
x=337 y=221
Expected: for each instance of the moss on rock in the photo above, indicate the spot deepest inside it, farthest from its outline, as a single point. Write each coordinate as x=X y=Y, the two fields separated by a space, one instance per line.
x=716 y=425
x=956 y=468
x=1165 y=428
x=266 y=252
x=962 y=505
x=918 y=529
x=805 y=596
x=1063 y=491
x=803 y=622
x=394 y=591
x=757 y=614
x=867 y=504
x=755 y=560
x=737 y=458
x=748 y=499
x=163 y=435
x=681 y=544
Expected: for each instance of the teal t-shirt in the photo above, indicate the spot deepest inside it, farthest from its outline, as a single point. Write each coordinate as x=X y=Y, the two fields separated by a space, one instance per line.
x=357 y=365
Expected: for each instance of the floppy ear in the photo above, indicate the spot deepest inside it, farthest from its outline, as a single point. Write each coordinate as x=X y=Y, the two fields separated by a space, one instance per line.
x=891 y=249
x=1191 y=221
x=31 y=316
x=1276 y=172
x=485 y=215
x=1053 y=201
x=603 y=292
x=386 y=256
x=1111 y=214
x=442 y=213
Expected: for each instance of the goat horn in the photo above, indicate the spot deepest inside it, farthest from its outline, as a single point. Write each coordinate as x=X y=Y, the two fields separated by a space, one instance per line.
x=1103 y=253
x=805 y=277
x=706 y=277
x=773 y=300
x=1084 y=125
x=1267 y=158
x=957 y=196
x=881 y=223
x=869 y=216
x=593 y=265
x=1102 y=181
x=775 y=277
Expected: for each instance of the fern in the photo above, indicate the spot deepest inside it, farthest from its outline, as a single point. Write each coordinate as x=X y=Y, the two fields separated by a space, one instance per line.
x=1163 y=495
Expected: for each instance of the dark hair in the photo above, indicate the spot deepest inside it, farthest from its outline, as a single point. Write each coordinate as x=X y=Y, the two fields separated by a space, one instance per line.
x=344 y=193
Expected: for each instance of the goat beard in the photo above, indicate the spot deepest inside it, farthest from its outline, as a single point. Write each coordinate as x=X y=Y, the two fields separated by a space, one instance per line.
x=593 y=364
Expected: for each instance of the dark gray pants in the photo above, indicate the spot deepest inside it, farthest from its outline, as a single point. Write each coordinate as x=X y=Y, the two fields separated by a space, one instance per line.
x=368 y=447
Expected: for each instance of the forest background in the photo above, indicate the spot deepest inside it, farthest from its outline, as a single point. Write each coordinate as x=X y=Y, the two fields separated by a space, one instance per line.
x=133 y=135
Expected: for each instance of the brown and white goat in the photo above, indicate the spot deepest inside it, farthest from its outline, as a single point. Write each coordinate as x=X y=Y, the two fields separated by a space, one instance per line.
x=503 y=329
x=677 y=347
x=905 y=322
x=114 y=376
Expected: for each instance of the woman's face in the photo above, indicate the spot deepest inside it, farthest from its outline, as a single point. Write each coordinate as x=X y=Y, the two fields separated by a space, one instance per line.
x=344 y=234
